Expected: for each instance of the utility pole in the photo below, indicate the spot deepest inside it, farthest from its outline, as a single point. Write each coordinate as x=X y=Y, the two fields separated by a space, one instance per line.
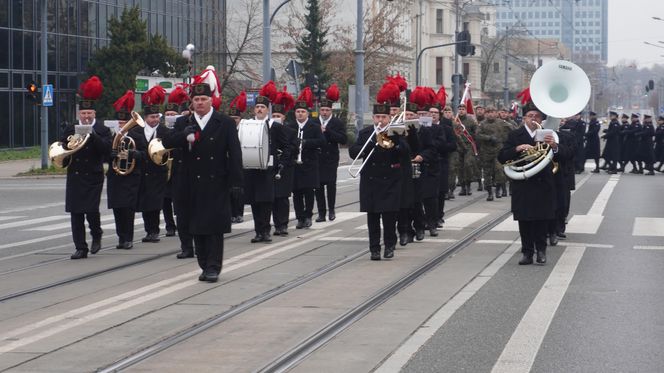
x=44 y=81
x=267 y=44
x=455 y=81
x=506 y=89
x=359 y=68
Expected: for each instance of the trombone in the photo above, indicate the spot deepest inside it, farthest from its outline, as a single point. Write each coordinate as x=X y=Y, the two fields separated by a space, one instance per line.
x=382 y=139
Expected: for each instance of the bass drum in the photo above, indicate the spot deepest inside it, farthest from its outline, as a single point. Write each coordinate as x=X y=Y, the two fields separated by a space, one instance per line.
x=254 y=140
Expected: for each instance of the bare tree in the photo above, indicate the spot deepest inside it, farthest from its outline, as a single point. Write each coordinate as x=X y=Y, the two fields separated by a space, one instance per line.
x=243 y=44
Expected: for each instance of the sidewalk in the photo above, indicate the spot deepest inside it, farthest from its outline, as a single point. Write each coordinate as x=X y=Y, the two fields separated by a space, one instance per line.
x=9 y=169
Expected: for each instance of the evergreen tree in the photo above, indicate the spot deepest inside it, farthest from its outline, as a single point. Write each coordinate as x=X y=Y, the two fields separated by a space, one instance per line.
x=310 y=50
x=128 y=53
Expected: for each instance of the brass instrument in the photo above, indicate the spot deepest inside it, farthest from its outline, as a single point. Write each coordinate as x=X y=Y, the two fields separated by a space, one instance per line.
x=533 y=160
x=122 y=144
x=300 y=134
x=57 y=152
x=160 y=155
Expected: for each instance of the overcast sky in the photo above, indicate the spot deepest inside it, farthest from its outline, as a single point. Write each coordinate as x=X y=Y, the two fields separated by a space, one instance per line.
x=630 y=24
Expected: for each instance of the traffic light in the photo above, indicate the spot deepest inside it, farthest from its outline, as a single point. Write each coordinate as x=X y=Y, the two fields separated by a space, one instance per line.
x=464 y=48
x=33 y=92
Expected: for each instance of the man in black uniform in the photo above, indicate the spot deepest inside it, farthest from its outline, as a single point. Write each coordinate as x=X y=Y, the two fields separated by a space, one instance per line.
x=285 y=161
x=122 y=190
x=334 y=131
x=380 y=182
x=592 y=141
x=624 y=127
x=631 y=143
x=533 y=199
x=307 y=176
x=444 y=152
x=212 y=168
x=235 y=111
x=565 y=183
x=645 y=152
x=611 y=153
x=155 y=177
x=85 y=172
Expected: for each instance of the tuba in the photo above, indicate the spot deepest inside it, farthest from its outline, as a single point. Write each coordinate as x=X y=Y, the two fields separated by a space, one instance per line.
x=559 y=89
x=122 y=144
x=57 y=152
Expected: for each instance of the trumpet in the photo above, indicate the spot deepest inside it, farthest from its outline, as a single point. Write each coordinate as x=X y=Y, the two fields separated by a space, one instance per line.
x=300 y=134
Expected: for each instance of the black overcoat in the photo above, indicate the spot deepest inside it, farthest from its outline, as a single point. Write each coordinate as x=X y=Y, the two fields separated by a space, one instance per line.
x=210 y=168
x=409 y=186
x=259 y=185
x=565 y=162
x=592 y=139
x=307 y=174
x=645 y=151
x=154 y=178
x=432 y=139
x=85 y=170
x=444 y=151
x=381 y=177
x=659 y=143
x=630 y=142
x=534 y=198
x=122 y=190
x=286 y=159
x=335 y=135
x=613 y=142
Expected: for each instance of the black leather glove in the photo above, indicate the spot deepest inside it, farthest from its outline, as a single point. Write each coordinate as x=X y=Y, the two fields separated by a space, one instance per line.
x=189 y=130
x=236 y=192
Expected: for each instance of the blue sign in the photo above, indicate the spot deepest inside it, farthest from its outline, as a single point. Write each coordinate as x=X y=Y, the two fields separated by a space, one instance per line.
x=47 y=95
x=251 y=98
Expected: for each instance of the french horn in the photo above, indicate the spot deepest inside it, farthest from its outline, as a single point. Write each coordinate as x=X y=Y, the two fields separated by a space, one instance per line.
x=122 y=144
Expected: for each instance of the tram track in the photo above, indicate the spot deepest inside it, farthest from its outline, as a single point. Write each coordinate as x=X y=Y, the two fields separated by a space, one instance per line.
x=194 y=330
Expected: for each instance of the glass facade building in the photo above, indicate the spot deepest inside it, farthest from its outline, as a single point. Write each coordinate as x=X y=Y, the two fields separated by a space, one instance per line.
x=76 y=28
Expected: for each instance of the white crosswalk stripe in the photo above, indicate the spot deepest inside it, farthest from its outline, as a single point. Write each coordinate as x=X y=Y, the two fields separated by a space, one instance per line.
x=53 y=227
x=24 y=223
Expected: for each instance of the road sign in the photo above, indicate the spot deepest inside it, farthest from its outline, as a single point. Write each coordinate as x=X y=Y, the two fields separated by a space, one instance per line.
x=251 y=98
x=47 y=95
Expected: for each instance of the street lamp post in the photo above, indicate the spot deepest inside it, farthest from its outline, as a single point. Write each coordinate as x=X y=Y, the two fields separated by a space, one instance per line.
x=44 y=80
x=267 y=55
x=188 y=54
x=359 y=68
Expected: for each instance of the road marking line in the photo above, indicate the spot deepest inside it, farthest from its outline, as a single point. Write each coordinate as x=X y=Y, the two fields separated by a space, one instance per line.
x=400 y=357
x=124 y=298
x=521 y=350
x=648 y=227
x=30 y=208
x=10 y=217
x=507 y=225
x=53 y=227
x=641 y=247
x=32 y=221
x=603 y=197
x=463 y=220
x=584 y=224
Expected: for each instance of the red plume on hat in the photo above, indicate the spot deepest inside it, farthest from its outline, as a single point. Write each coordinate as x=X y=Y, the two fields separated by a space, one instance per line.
x=421 y=97
x=240 y=102
x=178 y=96
x=332 y=93
x=91 y=89
x=216 y=102
x=269 y=90
x=126 y=102
x=286 y=99
x=399 y=81
x=525 y=96
x=209 y=76
x=388 y=94
x=441 y=96
x=154 y=96
x=307 y=96
x=431 y=95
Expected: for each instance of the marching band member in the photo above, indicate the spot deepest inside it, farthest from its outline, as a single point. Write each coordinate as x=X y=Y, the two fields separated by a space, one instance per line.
x=334 y=131
x=212 y=168
x=154 y=177
x=380 y=181
x=283 y=185
x=307 y=175
x=122 y=190
x=235 y=110
x=611 y=152
x=85 y=172
x=592 y=141
x=411 y=222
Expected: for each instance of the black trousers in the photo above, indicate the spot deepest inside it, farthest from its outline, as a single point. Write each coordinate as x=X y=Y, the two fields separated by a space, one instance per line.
x=237 y=206
x=405 y=220
x=533 y=235
x=331 y=197
x=389 y=229
x=261 y=212
x=210 y=252
x=151 y=221
x=443 y=190
x=78 y=228
x=186 y=239
x=430 y=206
x=303 y=202
x=124 y=223
x=280 y=212
x=167 y=208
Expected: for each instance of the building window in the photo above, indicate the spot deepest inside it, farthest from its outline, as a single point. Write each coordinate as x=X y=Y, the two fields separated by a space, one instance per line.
x=466 y=70
x=439 y=70
x=496 y=67
x=439 y=21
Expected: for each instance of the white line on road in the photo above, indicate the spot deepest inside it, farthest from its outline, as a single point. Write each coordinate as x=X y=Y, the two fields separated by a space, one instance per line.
x=521 y=350
x=30 y=208
x=53 y=227
x=648 y=227
x=32 y=221
x=603 y=197
x=641 y=247
x=2 y=218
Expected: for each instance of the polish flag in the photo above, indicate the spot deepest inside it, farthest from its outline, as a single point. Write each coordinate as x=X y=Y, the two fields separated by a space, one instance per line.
x=467 y=99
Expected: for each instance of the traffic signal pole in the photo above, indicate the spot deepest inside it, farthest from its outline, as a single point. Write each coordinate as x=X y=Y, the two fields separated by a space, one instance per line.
x=44 y=81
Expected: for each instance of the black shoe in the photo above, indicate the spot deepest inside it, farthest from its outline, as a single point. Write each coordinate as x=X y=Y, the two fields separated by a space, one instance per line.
x=119 y=245
x=80 y=254
x=239 y=219
x=479 y=187
x=126 y=245
x=320 y=218
x=389 y=252
x=307 y=222
x=233 y=221
x=184 y=254
x=553 y=240
x=202 y=276
x=332 y=216
x=266 y=237
x=170 y=232
x=284 y=231
x=259 y=238
x=463 y=191
x=451 y=195
x=419 y=234
x=211 y=277
x=651 y=172
x=433 y=232
x=411 y=237
x=526 y=259
x=595 y=171
x=300 y=224
x=96 y=245
x=561 y=235
x=375 y=255
x=540 y=257
x=489 y=197
x=468 y=190
x=611 y=172
x=151 y=237
x=439 y=223
x=403 y=239
x=277 y=232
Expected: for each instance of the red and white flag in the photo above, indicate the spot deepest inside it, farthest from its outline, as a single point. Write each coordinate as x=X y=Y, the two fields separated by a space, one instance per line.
x=467 y=99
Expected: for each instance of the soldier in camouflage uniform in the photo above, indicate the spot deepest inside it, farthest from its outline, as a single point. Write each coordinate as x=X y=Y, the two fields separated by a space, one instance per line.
x=453 y=157
x=491 y=134
x=470 y=159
